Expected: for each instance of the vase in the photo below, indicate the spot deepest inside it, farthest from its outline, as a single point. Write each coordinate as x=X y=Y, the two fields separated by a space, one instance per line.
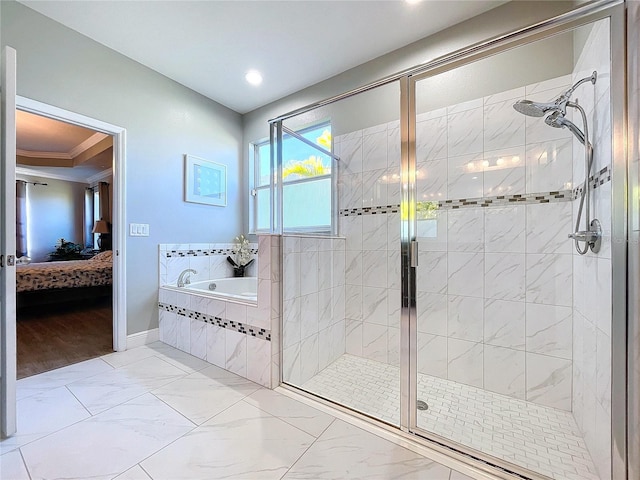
x=238 y=271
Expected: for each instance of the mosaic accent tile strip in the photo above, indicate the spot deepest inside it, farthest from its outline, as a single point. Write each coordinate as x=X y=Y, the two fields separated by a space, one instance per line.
x=597 y=180
x=542 y=439
x=205 y=253
x=502 y=200
x=217 y=321
x=351 y=212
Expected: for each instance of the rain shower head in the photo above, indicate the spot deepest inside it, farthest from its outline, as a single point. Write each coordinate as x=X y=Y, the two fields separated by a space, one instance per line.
x=533 y=109
x=559 y=105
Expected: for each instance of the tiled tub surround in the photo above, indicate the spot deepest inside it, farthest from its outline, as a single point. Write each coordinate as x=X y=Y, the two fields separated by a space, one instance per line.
x=592 y=285
x=313 y=307
x=238 y=336
x=209 y=260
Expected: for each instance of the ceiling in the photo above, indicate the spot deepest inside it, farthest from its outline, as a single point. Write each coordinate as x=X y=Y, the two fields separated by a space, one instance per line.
x=208 y=46
x=41 y=134
x=51 y=148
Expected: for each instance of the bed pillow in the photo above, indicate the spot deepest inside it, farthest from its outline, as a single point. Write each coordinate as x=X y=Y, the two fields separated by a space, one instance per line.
x=106 y=257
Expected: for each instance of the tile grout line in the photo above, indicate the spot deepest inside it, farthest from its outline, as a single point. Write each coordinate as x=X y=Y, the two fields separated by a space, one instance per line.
x=25 y=463
x=165 y=446
x=307 y=449
x=79 y=401
x=143 y=469
x=69 y=383
x=282 y=419
x=174 y=409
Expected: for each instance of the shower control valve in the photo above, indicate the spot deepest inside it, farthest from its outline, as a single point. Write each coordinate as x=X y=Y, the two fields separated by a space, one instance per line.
x=593 y=236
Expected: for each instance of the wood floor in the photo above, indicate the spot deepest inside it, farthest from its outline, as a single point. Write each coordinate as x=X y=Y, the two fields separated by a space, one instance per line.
x=50 y=337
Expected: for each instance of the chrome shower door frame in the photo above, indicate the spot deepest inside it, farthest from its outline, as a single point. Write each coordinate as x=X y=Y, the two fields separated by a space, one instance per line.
x=621 y=317
x=625 y=209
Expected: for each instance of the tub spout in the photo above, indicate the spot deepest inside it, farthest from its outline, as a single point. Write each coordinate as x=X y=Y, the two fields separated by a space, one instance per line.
x=184 y=278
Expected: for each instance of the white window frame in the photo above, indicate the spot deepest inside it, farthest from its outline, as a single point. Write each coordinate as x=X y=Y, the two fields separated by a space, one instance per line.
x=255 y=187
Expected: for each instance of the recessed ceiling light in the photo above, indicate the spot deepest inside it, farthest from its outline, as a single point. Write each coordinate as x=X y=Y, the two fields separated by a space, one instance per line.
x=412 y=2
x=254 y=77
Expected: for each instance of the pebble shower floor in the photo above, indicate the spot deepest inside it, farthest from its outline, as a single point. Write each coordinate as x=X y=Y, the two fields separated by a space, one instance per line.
x=542 y=439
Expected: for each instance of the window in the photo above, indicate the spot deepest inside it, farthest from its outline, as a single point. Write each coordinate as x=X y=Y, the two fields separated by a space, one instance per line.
x=96 y=215
x=306 y=178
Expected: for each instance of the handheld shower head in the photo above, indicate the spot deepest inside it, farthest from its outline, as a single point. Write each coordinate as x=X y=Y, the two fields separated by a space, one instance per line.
x=557 y=120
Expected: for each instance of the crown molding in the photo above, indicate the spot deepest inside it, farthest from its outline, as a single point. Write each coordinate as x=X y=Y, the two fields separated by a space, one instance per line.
x=75 y=151
x=43 y=174
x=37 y=154
x=87 y=144
x=100 y=175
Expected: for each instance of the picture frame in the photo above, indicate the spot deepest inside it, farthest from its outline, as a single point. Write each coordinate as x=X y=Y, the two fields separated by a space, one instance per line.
x=204 y=181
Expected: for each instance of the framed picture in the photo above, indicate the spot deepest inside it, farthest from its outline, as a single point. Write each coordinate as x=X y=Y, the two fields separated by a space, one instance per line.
x=204 y=181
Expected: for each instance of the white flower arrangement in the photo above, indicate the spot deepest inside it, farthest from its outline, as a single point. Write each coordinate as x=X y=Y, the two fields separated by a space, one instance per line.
x=243 y=254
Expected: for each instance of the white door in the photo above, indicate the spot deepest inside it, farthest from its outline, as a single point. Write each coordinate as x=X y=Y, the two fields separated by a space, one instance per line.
x=8 y=243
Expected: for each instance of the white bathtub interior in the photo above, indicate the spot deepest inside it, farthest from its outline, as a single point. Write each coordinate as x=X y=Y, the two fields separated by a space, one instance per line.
x=240 y=288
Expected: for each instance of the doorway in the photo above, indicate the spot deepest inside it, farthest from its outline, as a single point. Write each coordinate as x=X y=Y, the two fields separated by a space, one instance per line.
x=64 y=258
x=116 y=193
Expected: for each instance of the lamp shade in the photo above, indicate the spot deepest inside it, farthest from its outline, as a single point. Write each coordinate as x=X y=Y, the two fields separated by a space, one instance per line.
x=101 y=226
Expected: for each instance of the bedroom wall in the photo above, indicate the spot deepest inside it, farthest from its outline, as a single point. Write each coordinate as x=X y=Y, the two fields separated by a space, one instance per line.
x=163 y=120
x=55 y=211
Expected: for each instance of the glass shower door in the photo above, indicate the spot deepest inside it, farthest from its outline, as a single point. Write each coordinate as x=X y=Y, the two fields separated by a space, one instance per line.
x=508 y=346
x=341 y=295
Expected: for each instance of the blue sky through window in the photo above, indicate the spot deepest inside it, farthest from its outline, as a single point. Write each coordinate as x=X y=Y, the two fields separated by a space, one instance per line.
x=293 y=150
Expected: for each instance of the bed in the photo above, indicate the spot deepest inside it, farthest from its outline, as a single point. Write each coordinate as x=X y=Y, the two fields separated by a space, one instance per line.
x=52 y=282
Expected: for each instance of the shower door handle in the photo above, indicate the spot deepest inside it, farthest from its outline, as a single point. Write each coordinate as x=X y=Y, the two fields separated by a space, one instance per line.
x=413 y=253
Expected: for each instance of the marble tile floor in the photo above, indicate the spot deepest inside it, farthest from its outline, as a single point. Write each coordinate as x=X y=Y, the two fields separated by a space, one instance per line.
x=543 y=439
x=154 y=412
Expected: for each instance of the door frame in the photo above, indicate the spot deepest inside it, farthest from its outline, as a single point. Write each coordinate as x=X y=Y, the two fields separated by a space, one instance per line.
x=8 y=352
x=118 y=202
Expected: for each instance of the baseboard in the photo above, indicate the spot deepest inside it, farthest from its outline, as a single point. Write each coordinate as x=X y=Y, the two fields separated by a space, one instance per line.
x=142 y=338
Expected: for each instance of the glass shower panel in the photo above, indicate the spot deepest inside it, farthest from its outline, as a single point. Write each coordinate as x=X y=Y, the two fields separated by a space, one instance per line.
x=341 y=295
x=513 y=325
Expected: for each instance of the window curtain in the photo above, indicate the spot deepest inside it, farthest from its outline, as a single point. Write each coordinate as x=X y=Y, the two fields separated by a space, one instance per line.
x=21 y=218
x=88 y=217
x=105 y=203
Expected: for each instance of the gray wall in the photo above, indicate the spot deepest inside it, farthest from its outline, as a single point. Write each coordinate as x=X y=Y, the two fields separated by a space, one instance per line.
x=531 y=63
x=382 y=105
x=56 y=211
x=163 y=120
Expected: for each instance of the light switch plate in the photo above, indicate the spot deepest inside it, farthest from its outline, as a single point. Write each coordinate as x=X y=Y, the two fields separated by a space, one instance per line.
x=138 y=229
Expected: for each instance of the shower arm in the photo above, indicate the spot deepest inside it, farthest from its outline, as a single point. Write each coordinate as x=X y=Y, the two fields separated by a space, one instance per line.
x=564 y=98
x=590 y=235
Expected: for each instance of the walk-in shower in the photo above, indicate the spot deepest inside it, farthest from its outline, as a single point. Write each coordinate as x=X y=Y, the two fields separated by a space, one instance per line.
x=557 y=111
x=450 y=303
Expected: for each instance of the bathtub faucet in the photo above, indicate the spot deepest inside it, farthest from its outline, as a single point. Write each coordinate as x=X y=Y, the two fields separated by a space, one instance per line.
x=183 y=279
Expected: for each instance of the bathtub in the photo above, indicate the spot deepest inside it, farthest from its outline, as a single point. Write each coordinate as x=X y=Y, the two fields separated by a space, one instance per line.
x=240 y=288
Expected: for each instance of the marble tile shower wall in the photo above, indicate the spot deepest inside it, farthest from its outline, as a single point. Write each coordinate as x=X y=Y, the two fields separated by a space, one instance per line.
x=240 y=337
x=313 y=307
x=494 y=283
x=369 y=198
x=592 y=280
